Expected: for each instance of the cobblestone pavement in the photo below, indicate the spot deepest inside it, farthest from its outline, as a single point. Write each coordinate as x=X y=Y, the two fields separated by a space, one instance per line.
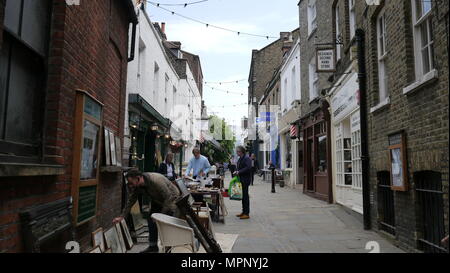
x=290 y=222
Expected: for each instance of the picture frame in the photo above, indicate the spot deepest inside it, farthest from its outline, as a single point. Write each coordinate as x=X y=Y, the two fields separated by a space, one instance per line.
x=112 y=240
x=107 y=148
x=398 y=161
x=121 y=238
x=98 y=239
x=95 y=250
x=113 y=148
x=126 y=233
x=118 y=151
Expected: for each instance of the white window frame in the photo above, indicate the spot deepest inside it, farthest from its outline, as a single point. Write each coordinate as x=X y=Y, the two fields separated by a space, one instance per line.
x=313 y=80
x=312 y=16
x=382 y=54
x=352 y=18
x=338 y=34
x=425 y=19
x=293 y=84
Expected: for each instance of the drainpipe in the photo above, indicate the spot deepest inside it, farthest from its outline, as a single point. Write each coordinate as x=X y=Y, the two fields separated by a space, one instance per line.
x=362 y=79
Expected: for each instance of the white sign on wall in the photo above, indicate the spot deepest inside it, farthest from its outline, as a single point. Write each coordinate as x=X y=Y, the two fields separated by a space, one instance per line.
x=325 y=60
x=345 y=100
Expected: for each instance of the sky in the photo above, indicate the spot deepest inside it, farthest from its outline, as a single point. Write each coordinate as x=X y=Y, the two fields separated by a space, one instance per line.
x=226 y=56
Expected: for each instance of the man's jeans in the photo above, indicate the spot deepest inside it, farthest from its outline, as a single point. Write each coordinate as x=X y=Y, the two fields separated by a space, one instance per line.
x=245 y=198
x=152 y=227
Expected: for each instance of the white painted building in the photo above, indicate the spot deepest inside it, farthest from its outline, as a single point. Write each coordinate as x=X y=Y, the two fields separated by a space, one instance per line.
x=290 y=149
x=163 y=79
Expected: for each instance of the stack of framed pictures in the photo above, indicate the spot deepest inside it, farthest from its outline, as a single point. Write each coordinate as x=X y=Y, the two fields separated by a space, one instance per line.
x=117 y=239
x=113 y=149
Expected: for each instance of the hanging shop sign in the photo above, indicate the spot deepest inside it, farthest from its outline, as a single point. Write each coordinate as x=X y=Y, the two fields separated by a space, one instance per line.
x=86 y=155
x=398 y=162
x=325 y=60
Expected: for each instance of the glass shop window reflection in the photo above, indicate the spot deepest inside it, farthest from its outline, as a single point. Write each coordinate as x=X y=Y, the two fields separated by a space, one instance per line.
x=322 y=154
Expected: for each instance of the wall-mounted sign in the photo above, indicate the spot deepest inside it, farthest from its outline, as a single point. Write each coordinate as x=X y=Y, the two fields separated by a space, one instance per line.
x=86 y=154
x=398 y=161
x=325 y=60
x=345 y=99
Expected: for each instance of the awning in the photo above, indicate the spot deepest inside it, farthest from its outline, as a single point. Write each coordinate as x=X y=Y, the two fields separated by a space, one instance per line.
x=142 y=105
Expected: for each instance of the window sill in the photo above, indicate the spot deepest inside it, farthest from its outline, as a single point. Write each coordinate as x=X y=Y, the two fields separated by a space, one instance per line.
x=382 y=105
x=424 y=80
x=19 y=169
x=111 y=169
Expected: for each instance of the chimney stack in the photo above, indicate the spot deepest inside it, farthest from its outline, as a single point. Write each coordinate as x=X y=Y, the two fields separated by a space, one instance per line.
x=163 y=28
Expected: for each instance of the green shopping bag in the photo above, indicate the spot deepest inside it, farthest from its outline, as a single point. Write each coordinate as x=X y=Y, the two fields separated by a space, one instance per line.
x=235 y=189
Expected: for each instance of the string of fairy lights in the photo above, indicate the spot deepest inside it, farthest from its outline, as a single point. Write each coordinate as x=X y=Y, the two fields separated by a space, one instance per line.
x=208 y=25
x=178 y=4
x=209 y=84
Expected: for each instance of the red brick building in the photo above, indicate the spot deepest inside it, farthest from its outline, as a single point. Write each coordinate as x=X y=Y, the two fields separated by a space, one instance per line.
x=53 y=57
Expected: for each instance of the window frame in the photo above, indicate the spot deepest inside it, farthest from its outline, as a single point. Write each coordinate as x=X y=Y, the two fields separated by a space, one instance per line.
x=19 y=151
x=417 y=24
x=312 y=20
x=352 y=18
x=313 y=80
x=337 y=29
x=382 y=55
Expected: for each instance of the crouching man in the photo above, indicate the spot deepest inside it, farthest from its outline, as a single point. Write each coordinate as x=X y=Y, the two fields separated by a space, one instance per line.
x=162 y=194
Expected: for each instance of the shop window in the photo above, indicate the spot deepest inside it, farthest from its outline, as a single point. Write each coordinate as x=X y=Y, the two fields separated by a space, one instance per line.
x=321 y=154
x=386 y=209
x=431 y=211
x=22 y=79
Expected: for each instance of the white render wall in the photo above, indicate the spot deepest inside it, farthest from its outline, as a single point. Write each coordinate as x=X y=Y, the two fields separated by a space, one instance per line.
x=155 y=89
x=290 y=79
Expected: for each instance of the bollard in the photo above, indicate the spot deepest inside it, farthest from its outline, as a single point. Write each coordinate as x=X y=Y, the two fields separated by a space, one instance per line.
x=273 y=179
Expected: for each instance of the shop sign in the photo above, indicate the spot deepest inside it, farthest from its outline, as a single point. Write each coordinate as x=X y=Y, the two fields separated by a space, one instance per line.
x=325 y=60
x=345 y=100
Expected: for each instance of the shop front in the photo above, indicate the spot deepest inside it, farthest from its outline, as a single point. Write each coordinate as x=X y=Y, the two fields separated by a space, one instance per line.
x=317 y=154
x=347 y=144
x=150 y=137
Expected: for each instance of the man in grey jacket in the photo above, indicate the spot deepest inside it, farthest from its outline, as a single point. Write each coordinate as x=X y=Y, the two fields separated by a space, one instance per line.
x=162 y=194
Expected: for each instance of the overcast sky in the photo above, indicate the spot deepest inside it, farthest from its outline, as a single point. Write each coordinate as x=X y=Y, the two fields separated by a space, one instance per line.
x=226 y=56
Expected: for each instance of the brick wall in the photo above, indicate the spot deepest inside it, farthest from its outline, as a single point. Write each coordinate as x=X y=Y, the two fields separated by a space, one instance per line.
x=88 y=51
x=266 y=62
x=308 y=49
x=423 y=115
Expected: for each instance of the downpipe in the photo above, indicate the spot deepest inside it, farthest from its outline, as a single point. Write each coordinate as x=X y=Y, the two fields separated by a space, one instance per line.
x=362 y=79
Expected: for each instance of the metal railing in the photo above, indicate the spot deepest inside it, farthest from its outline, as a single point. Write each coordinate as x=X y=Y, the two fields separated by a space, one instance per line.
x=431 y=209
x=386 y=209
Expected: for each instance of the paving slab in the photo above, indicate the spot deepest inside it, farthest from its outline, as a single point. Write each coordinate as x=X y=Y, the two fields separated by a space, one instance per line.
x=290 y=222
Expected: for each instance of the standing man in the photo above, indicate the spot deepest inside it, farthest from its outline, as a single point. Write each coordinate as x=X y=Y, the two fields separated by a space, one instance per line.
x=199 y=165
x=254 y=167
x=162 y=194
x=244 y=171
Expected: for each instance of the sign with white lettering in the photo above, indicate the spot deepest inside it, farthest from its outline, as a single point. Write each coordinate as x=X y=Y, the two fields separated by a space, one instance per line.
x=325 y=60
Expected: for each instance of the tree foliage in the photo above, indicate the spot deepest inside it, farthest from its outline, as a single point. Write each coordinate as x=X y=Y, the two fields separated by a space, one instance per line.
x=224 y=136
